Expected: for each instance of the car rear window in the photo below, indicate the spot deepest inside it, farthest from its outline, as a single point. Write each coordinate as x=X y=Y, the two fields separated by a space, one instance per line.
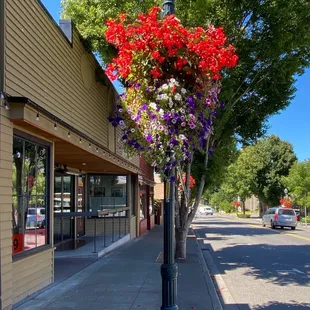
x=32 y=211
x=42 y=211
x=286 y=212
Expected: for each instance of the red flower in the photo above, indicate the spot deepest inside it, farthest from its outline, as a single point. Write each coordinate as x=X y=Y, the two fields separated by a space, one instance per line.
x=200 y=52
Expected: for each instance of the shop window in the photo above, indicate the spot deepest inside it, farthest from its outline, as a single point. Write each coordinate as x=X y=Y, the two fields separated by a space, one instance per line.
x=152 y=206
x=143 y=203
x=30 y=194
x=134 y=184
x=107 y=192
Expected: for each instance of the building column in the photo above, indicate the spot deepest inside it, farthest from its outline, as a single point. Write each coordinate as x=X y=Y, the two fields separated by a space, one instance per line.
x=6 y=141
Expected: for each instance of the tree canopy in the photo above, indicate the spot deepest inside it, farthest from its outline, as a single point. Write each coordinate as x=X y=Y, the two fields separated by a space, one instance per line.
x=259 y=171
x=264 y=33
x=298 y=183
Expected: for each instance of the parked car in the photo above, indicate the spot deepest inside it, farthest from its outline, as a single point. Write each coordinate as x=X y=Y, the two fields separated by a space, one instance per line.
x=35 y=218
x=281 y=217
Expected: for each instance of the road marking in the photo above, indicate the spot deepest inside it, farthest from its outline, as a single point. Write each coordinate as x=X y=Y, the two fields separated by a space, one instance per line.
x=254 y=225
x=296 y=236
x=294 y=270
x=298 y=271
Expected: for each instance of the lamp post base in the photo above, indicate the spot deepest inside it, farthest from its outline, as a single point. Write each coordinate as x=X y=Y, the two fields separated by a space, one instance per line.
x=169 y=273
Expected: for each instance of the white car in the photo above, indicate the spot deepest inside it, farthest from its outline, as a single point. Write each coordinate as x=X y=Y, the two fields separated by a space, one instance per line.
x=206 y=210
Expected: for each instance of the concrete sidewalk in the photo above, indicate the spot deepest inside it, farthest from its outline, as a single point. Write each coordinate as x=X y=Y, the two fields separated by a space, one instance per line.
x=129 y=278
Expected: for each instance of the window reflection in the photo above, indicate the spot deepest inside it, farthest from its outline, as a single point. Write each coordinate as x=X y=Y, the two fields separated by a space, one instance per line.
x=143 y=205
x=107 y=192
x=30 y=203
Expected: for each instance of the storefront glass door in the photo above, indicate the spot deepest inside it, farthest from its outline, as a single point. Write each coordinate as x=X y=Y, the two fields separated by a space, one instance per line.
x=63 y=202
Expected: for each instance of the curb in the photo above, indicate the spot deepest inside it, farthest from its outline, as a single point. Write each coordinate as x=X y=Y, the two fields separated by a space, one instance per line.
x=214 y=279
x=216 y=303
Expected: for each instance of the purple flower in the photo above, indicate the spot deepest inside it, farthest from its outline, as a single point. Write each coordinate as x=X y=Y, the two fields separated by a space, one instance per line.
x=149 y=138
x=198 y=95
x=191 y=101
x=137 y=85
x=144 y=107
x=167 y=116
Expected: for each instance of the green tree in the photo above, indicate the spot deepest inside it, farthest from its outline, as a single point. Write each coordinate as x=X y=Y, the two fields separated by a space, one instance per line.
x=272 y=160
x=260 y=168
x=298 y=183
x=271 y=55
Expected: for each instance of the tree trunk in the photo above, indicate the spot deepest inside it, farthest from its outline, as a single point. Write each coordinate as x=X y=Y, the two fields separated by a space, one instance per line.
x=261 y=209
x=243 y=206
x=180 y=239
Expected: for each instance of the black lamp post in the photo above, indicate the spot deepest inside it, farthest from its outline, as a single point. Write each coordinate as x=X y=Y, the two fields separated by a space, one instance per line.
x=169 y=269
x=168 y=7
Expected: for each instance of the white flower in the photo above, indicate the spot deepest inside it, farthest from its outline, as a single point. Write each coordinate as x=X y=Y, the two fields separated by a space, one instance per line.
x=183 y=90
x=172 y=80
x=153 y=105
x=170 y=103
x=182 y=137
x=120 y=110
x=132 y=130
x=121 y=123
x=165 y=86
x=161 y=112
x=177 y=96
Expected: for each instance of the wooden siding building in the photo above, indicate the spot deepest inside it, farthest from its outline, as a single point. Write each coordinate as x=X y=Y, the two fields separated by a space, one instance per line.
x=58 y=152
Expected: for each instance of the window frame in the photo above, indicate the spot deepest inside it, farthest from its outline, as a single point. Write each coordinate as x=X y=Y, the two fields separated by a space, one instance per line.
x=48 y=146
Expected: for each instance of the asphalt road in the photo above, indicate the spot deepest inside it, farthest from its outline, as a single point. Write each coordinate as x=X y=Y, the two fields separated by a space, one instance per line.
x=256 y=267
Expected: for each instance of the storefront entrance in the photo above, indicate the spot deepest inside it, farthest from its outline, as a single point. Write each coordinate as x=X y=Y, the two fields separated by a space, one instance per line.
x=68 y=197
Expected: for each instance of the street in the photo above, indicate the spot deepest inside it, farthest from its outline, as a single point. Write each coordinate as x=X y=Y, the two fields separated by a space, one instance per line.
x=256 y=267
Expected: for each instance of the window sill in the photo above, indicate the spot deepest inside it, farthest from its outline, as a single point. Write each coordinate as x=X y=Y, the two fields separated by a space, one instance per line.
x=20 y=256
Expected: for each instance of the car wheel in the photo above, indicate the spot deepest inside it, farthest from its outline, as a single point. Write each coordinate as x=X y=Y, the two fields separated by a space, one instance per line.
x=272 y=225
x=293 y=228
x=264 y=225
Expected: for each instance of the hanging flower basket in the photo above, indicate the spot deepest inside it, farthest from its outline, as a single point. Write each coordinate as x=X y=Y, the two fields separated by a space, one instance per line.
x=172 y=76
x=192 y=181
x=286 y=203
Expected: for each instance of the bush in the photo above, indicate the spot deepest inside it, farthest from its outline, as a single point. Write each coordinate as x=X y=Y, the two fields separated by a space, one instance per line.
x=303 y=219
x=243 y=216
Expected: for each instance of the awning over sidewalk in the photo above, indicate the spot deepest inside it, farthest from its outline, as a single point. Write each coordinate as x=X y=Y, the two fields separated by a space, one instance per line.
x=72 y=148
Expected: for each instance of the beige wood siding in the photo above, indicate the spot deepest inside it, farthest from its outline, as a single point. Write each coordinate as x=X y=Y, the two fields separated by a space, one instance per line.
x=41 y=65
x=6 y=139
x=32 y=274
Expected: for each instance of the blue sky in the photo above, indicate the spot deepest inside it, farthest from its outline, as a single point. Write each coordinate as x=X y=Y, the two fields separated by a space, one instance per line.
x=292 y=124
